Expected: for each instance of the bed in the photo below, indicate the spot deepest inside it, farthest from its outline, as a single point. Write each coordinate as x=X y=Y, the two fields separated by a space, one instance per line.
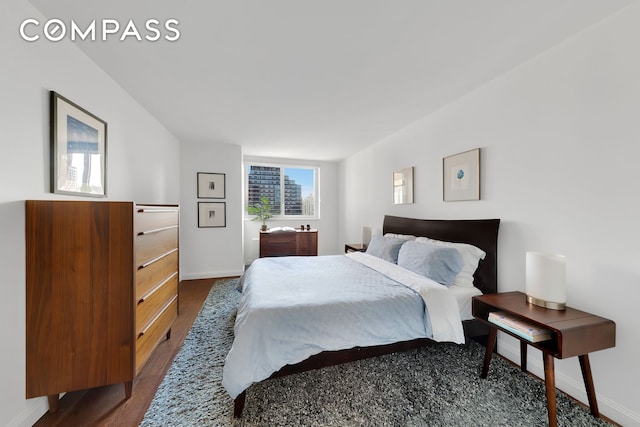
x=302 y=313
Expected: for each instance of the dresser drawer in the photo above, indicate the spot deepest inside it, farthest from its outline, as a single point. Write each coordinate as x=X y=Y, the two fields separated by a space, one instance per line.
x=151 y=218
x=149 y=275
x=154 y=244
x=148 y=339
x=278 y=249
x=277 y=244
x=307 y=242
x=149 y=305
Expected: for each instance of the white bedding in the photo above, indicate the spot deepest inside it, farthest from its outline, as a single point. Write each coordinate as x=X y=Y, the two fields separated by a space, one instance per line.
x=463 y=295
x=295 y=307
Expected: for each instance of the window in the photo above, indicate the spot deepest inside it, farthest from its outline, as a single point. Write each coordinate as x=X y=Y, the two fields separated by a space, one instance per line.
x=291 y=190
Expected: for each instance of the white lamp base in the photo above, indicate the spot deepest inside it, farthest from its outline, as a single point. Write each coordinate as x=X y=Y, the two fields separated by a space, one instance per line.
x=546 y=304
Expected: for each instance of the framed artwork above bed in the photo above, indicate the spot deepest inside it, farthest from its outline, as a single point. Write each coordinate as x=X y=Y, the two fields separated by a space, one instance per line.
x=403 y=186
x=461 y=176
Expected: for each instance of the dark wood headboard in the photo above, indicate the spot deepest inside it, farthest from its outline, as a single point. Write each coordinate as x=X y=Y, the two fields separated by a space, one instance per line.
x=482 y=233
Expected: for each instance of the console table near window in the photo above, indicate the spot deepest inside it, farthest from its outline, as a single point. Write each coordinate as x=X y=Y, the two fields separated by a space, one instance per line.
x=289 y=243
x=573 y=333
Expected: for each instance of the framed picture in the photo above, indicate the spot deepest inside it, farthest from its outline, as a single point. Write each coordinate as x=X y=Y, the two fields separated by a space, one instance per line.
x=78 y=149
x=403 y=186
x=461 y=176
x=212 y=214
x=211 y=185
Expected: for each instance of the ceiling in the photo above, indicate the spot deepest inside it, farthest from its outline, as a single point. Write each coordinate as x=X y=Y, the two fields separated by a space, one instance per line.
x=317 y=79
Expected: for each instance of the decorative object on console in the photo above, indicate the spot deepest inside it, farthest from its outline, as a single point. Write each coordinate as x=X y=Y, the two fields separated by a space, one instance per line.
x=78 y=149
x=212 y=214
x=211 y=185
x=545 y=280
x=461 y=176
x=403 y=186
x=262 y=211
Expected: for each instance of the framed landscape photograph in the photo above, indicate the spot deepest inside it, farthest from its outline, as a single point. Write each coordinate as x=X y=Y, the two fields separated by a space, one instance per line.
x=212 y=214
x=211 y=185
x=78 y=149
x=461 y=176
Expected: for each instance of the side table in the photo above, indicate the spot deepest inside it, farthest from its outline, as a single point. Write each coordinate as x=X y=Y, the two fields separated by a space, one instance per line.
x=354 y=247
x=573 y=333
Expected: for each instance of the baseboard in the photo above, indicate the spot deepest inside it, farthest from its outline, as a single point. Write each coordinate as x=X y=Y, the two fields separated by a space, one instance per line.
x=510 y=348
x=211 y=275
x=32 y=414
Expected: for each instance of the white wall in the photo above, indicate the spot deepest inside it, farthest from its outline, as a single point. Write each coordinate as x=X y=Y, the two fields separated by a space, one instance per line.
x=211 y=252
x=327 y=224
x=559 y=138
x=142 y=166
x=223 y=252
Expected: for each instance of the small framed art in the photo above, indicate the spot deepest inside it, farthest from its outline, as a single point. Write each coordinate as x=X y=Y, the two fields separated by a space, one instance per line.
x=211 y=185
x=212 y=214
x=461 y=176
x=403 y=186
x=78 y=149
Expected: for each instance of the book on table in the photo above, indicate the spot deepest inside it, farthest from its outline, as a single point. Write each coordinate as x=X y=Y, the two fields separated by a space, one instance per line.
x=519 y=326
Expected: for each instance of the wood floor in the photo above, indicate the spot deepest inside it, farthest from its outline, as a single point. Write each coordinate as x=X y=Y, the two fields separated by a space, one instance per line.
x=106 y=406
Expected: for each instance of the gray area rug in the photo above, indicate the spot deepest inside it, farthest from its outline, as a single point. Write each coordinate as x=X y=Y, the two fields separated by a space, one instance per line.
x=437 y=385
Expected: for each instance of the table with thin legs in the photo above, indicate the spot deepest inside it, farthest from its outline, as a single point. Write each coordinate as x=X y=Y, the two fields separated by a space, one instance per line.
x=573 y=333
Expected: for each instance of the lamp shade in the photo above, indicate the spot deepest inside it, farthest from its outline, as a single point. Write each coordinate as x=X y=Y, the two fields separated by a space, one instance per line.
x=366 y=235
x=545 y=280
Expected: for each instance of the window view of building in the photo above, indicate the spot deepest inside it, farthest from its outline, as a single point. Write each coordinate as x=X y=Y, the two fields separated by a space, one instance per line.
x=264 y=181
x=290 y=190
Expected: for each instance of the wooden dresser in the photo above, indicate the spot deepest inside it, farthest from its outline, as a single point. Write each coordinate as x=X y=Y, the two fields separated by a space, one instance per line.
x=101 y=292
x=288 y=243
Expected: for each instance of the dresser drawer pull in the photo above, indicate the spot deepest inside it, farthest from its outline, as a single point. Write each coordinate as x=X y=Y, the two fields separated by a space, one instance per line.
x=153 y=291
x=157 y=316
x=156 y=230
x=151 y=261
x=152 y=210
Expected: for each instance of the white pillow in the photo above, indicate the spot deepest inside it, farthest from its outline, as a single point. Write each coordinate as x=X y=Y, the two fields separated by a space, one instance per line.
x=471 y=256
x=400 y=236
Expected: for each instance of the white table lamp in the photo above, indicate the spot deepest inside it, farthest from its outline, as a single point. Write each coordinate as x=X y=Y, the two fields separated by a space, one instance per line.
x=545 y=280
x=366 y=235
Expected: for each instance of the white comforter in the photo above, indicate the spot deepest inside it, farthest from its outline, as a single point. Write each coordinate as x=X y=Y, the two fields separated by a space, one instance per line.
x=295 y=307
